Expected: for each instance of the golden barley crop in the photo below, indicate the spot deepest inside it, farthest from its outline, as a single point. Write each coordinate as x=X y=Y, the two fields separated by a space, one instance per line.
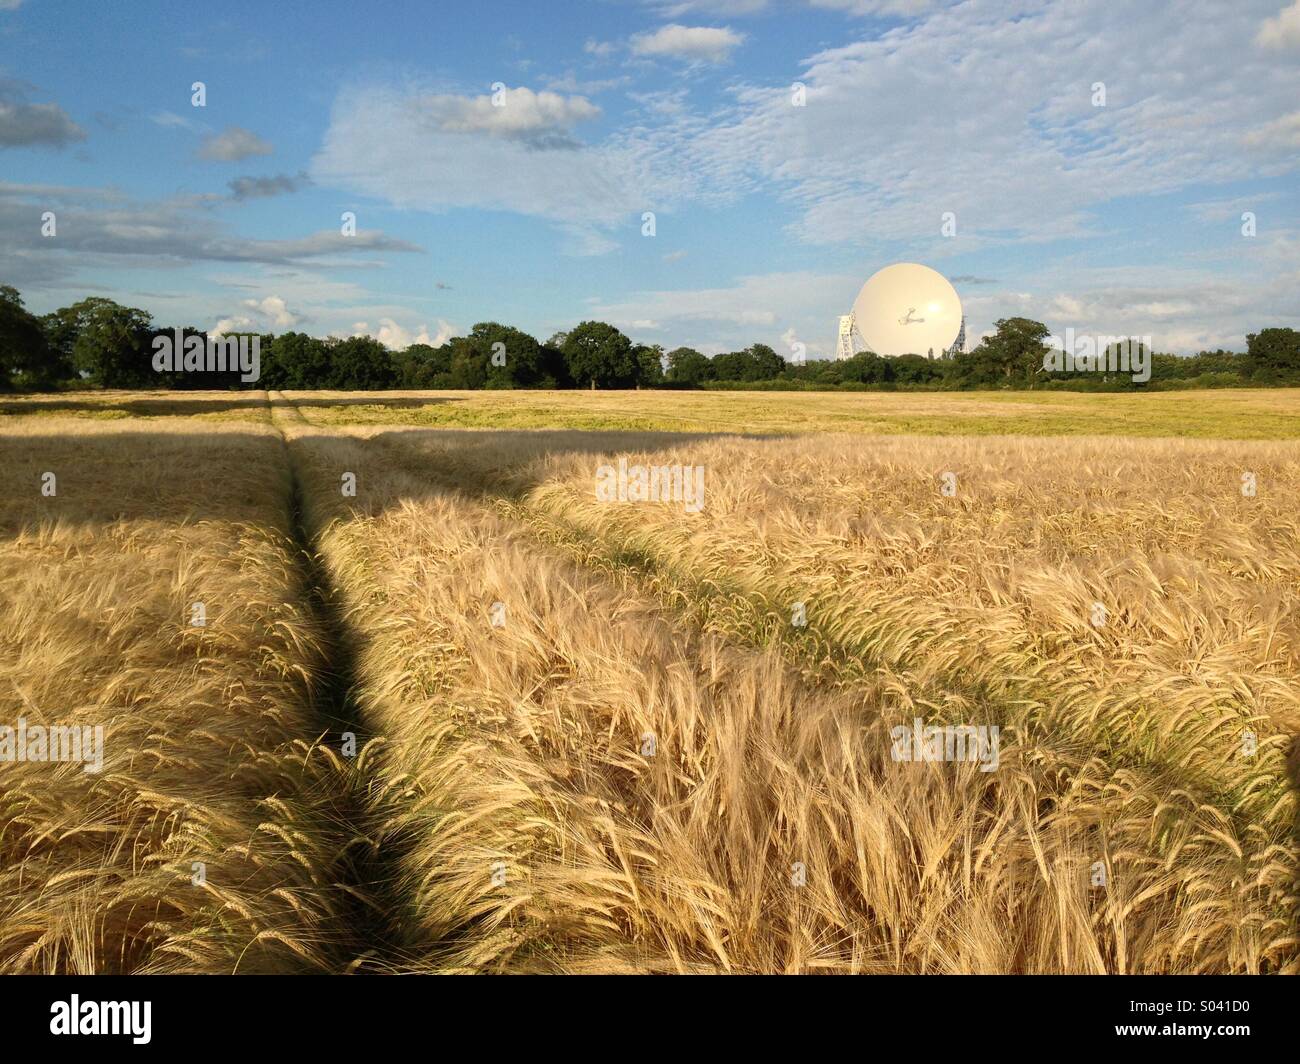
x=200 y=843
x=1127 y=758
x=590 y=735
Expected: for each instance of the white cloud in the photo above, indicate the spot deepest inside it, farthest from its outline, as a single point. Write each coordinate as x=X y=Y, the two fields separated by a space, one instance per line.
x=991 y=118
x=267 y=314
x=235 y=325
x=585 y=241
x=396 y=338
x=698 y=43
x=569 y=82
x=710 y=8
x=1282 y=31
x=979 y=109
x=1182 y=309
x=171 y=120
x=1283 y=133
x=538 y=118
x=381 y=143
x=732 y=317
x=896 y=8
x=273 y=309
x=1222 y=210
x=232 y=144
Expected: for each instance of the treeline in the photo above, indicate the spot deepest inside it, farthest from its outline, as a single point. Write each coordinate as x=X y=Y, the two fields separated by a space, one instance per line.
x=102 y=343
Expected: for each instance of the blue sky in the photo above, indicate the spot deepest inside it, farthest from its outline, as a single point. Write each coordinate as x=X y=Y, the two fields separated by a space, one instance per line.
x=526 y=205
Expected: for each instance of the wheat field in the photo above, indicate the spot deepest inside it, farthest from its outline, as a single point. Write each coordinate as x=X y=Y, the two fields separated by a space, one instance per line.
x=452 y=712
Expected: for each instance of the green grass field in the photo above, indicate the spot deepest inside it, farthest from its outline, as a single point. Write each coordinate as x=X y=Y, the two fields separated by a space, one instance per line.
x=1241 y=414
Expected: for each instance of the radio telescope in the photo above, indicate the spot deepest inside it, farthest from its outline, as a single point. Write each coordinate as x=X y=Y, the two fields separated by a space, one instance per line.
x=903 y=309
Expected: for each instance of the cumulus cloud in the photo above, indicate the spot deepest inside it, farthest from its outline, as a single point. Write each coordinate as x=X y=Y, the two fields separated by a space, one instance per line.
x=393 y=336
x=1282 y=31
x=232 y=144
x=24 y=124
x=540 y=119
x=697 y=43
x=274 y=310
x=233 y=325
x=242 y=188
x=260 y=315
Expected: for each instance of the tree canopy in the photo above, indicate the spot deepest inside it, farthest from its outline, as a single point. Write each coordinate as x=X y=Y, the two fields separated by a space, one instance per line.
x=109 y=344
x=598 y=353
x=26 y=358
x=112 y=343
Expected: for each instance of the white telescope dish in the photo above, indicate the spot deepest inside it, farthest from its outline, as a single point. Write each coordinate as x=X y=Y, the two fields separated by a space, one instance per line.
x=907 y=309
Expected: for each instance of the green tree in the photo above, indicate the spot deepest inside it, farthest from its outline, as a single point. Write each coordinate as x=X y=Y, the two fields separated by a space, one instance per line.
x=554 y=369
x=731 y=366
x=916 y=369
x=865 y=367
x=112 y=343
x=420 y=365
x=832 y=371
x=469 y=364
x=650 y=364
x=359 y=363
x=511 y=358
x=1012 y=354
x=295 y=360
x=757 y=362
x=1274 y=352
x=599 y=353
x=687 y=366
x=62 y=327
x=25 y=354
x=766 y=364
